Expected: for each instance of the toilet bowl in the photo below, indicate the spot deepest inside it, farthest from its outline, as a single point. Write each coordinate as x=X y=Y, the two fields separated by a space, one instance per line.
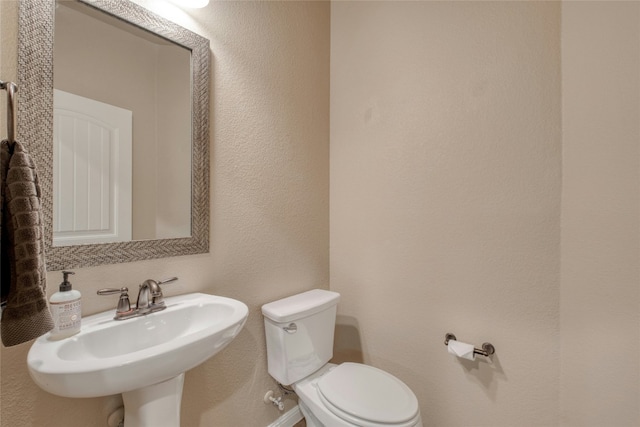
x=352 y=394
x=299 y=334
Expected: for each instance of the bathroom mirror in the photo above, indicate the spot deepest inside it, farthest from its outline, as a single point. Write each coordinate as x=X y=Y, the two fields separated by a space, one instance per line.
x=175 y=70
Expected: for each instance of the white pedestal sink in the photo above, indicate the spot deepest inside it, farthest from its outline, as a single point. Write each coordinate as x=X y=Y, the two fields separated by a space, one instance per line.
x=144 y=358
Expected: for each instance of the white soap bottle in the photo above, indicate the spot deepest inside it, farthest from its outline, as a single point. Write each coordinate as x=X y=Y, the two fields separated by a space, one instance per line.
x=66 y=310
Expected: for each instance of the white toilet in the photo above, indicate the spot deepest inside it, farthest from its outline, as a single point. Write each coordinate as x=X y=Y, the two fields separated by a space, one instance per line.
x=299 y=332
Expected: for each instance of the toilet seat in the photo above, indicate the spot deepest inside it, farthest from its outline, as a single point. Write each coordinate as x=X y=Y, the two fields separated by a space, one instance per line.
x=367 y=396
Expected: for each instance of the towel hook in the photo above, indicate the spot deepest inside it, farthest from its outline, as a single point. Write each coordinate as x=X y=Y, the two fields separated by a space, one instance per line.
x=11 y=89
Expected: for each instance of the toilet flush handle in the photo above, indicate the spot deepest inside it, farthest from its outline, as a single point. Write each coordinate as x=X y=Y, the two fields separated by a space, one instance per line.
x=291 y=328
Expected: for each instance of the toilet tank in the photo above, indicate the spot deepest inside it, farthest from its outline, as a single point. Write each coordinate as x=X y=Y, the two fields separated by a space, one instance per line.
x=299 y=333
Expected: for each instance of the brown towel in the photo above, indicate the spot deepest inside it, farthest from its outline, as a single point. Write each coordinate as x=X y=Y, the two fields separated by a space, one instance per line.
x=26 y=315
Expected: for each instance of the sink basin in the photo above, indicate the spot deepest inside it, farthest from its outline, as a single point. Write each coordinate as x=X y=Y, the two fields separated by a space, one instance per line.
x=110 y=357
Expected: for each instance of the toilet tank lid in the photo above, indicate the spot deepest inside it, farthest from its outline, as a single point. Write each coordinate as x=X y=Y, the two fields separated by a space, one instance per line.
x=301 y=305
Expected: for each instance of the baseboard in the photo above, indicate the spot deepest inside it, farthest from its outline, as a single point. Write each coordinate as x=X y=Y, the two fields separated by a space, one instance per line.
x=289 y=418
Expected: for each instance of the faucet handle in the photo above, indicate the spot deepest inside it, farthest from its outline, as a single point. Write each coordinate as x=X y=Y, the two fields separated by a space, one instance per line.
x=111 y=291
x=124 y=305
x=169 y=280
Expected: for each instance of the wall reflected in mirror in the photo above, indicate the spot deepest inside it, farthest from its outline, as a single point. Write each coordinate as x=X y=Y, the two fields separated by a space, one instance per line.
x=122 y=131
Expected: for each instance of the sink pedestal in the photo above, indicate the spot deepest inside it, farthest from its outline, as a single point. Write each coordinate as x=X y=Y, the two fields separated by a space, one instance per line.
x=157 y=405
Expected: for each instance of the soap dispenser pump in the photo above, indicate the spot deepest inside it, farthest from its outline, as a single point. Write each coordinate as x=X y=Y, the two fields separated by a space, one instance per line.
x=66 y=309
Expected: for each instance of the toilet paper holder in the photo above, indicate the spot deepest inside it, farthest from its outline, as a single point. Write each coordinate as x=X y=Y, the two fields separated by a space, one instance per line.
x=487 y=348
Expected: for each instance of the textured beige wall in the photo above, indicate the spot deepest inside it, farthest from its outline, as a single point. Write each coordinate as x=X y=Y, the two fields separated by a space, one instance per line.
x=269 y=212
x=600 y=294
x=445 y=200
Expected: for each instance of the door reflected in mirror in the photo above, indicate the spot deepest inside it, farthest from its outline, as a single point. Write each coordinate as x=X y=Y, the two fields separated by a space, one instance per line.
x=122 y=131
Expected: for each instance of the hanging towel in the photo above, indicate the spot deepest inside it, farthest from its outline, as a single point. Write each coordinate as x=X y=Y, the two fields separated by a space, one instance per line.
x=26 y=314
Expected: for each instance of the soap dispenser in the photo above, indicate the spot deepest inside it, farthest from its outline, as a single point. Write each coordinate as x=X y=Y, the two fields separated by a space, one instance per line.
x=66 y=310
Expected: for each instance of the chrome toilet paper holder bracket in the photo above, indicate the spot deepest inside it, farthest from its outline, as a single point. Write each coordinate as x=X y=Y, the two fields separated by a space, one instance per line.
x=487 y=348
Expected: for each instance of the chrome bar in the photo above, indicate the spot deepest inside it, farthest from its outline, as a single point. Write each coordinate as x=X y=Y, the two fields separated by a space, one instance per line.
x=11 y=89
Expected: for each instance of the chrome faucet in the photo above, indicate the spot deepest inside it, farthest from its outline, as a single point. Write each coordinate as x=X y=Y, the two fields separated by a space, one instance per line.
x=150 y=299
x=149 y=291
